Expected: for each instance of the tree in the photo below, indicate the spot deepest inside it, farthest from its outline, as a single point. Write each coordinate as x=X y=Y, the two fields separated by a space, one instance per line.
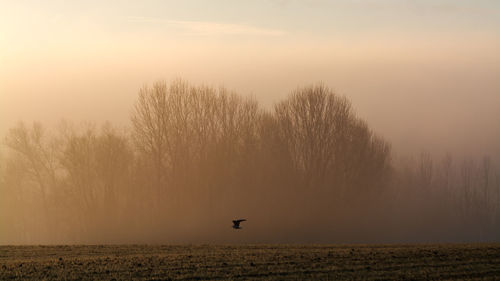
x=198 y=140
x=313 y=121
x=38 y=155
x=329 y=146
x=150 y=120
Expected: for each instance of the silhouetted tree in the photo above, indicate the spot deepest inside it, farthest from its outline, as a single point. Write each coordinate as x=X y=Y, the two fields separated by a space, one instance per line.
x=37 y=154
x=329 y=146
x=198 y=154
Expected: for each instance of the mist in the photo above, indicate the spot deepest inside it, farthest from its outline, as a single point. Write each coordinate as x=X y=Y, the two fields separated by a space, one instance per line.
x=432 y=67
x=160 y=121
x=194 y=157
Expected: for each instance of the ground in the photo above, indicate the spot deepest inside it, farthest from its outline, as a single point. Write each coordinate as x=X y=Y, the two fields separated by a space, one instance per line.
x=247 y=262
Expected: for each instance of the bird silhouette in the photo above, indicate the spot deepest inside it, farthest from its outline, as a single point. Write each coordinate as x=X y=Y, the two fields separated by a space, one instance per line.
x=236 y=223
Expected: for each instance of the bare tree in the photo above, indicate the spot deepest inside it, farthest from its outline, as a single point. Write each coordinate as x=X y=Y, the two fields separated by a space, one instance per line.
x=114 y=159
x=425 y=172
x=314 y=122
x=186 y=130
x=38 y=154
x=150 y=120
x=206 y=152
x=328 y=144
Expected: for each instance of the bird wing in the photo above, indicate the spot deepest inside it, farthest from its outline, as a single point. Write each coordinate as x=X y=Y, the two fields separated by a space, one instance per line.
x=237 y=222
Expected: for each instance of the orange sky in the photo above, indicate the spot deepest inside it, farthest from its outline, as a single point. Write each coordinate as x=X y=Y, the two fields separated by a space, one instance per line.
x=424 y=74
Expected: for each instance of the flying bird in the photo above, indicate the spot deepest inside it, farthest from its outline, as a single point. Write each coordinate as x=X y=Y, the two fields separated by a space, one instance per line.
x=236 y=224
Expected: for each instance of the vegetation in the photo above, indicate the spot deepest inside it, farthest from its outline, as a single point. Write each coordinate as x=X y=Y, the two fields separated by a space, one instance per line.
x=252 y=262
x=195 y=157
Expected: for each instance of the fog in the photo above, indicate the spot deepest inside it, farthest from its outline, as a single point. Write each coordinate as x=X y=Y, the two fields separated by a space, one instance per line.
x=421 y=81
x=437 y=105
x=194 y=157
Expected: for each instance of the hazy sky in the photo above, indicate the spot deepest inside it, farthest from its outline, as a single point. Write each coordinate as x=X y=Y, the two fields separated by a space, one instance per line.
x=425 y=74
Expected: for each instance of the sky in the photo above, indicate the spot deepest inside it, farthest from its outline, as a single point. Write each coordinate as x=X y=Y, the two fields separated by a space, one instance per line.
x=424 y=74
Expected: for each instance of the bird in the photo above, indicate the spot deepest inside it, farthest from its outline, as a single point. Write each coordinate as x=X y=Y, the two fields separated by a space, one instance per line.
x=236 y=223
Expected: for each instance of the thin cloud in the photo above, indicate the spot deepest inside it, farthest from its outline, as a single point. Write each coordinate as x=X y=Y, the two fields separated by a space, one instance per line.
x=211 y=28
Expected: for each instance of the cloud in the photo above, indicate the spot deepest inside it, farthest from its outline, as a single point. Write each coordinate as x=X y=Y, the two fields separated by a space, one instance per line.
x=211 y=28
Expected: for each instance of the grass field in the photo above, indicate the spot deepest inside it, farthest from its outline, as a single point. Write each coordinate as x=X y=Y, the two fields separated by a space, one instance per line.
x=263 y=262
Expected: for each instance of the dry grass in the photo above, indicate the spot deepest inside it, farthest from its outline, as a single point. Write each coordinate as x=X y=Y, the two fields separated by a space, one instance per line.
x=263 y=262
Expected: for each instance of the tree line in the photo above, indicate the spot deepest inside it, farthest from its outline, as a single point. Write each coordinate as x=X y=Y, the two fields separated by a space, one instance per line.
x=194 y=157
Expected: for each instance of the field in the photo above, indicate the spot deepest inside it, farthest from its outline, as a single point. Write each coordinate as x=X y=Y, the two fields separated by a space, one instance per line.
x=246 y=262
